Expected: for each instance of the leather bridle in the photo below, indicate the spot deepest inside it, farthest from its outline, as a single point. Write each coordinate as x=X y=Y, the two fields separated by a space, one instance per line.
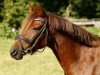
x=35 y=39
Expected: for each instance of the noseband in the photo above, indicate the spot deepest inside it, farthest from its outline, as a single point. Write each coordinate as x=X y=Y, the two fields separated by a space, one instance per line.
x=35 y=39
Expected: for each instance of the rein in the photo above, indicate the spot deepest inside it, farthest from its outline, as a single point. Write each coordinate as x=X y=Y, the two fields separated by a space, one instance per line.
x=35 y=39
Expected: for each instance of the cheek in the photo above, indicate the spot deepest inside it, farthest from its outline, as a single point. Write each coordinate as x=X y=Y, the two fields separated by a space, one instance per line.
x=31 y=33
x=41 y=43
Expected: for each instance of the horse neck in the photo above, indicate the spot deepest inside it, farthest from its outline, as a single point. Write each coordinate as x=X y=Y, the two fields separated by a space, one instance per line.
x=67 y=50
x=64 y=48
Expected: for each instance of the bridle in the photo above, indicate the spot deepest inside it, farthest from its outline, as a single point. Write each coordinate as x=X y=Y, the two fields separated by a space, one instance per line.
x=35 y=39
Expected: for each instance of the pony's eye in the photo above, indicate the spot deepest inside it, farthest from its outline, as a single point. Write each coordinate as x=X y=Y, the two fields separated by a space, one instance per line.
x=36 y=28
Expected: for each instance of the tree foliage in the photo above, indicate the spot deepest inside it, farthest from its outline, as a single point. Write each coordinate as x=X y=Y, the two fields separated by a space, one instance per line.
x=80 y=8
x=86 y=8
x=12 y=12
x=55 y=6
x=1 y=8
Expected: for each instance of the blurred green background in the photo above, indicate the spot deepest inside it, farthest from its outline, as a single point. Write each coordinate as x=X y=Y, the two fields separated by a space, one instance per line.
x=12 y=13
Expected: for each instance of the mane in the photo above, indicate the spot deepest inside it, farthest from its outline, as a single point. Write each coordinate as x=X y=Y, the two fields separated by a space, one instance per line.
x=76 y=33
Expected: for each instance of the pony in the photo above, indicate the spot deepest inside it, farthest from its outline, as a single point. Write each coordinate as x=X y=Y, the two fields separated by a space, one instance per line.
x=77 y=50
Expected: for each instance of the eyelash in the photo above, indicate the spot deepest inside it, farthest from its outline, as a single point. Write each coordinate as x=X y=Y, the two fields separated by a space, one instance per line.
x=38 y=28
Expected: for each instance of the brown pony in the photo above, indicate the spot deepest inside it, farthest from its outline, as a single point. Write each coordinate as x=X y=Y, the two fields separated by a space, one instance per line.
x=77 y=50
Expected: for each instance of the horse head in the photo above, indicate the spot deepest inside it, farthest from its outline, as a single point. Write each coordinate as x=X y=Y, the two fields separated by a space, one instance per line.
x=33 y=35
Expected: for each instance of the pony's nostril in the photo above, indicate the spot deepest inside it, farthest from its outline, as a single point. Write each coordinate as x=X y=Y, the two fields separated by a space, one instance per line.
x=13 y=51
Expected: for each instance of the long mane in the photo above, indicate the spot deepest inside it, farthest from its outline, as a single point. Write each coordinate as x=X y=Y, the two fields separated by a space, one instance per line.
x=76 y=33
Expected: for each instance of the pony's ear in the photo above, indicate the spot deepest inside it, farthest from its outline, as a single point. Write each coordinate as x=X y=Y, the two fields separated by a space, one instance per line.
x=40 y=10
x=31 y=8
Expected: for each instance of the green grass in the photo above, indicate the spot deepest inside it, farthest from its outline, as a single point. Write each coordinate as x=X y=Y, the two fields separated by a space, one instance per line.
x=94 y=30
x=44 y=63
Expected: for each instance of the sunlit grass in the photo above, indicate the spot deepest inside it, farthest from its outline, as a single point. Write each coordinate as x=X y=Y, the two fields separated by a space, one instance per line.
x=44 y=63
x=94 y=30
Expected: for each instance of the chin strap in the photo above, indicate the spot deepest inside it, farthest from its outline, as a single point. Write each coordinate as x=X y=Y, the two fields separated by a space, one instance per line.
x=46 y=40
